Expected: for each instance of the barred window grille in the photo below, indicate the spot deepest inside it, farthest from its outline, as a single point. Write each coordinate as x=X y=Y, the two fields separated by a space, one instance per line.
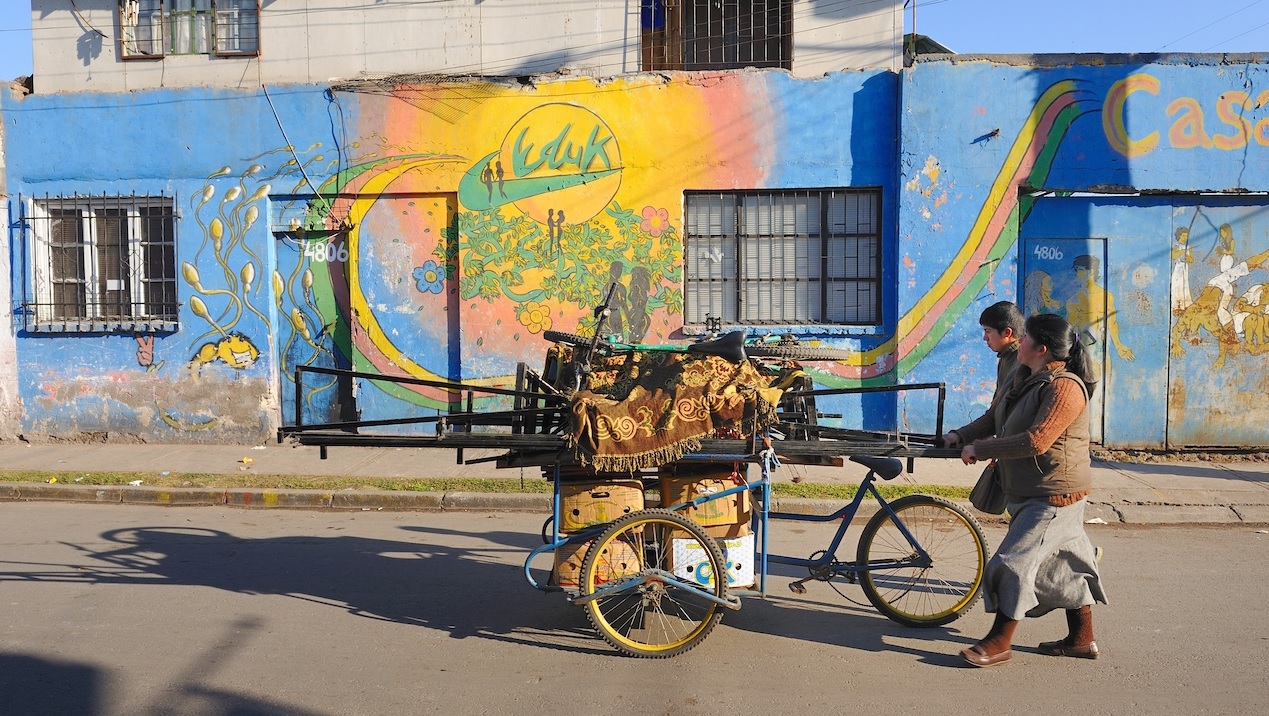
x=102 y=264
x=154 y=28
x=783 y=257
x=191 y=27
x=237 y=27
x=142 y=25
x=716 y=34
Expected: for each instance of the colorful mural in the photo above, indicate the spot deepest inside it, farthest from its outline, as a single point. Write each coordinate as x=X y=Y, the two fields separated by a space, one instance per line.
x=1122 y=266
x=535 y=232
x=435 y=232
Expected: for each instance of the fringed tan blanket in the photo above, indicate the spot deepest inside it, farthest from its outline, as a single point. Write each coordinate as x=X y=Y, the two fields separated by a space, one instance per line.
x=646 y=409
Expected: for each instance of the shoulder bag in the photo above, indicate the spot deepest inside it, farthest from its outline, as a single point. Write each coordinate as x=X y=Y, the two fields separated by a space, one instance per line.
x=988 y=494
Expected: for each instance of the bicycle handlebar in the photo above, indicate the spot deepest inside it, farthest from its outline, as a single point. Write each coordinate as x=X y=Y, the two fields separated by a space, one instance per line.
x=602 y=308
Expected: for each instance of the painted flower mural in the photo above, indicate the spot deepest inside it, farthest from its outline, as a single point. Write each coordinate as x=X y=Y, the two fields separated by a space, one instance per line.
x=655 y=221
x=429 y=278
x=534 y=316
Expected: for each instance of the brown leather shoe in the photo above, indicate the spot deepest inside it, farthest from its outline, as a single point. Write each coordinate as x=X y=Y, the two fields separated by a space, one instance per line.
x=974 y=656
x=1062 y=648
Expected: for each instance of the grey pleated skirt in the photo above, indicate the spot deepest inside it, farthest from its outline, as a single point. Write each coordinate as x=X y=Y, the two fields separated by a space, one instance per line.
x=1045 y=562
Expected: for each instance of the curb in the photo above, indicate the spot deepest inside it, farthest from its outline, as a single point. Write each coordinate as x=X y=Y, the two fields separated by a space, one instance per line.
x=1216 y=509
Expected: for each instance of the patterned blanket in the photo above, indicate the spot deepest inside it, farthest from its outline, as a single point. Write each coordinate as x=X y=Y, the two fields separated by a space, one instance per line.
x=647 y=409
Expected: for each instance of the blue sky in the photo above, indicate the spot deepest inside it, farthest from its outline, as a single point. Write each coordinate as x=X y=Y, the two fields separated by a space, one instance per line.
x=967 y=26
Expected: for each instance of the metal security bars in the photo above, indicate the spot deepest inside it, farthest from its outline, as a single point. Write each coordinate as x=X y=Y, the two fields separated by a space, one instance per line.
x=101 y=264
x=151 y=29
x=716 y=34
x=800 y=257
x=237 y=27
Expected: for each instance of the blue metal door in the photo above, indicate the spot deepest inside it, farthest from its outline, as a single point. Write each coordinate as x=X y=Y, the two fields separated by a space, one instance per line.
x=1065 y=276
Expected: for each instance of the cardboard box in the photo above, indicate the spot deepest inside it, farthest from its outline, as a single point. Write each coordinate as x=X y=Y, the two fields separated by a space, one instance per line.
x=729 y=510
x=740 y=529
x=690 y=562
x=623 y=560
x=585 y=504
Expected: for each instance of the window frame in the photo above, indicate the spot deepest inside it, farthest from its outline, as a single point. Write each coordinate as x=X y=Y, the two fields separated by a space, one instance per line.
x=93 y=311
x=208 y=26
x=219 y=37
x=729 y=244
x=129 y=17
x=686 y=34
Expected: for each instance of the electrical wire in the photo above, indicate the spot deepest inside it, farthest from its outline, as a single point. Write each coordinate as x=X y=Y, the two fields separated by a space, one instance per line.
x=1235 y=37
x=80 y=15
x=287 y=139
x=1195 y=32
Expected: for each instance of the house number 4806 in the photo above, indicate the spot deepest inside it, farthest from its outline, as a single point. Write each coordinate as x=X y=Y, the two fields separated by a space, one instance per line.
x=325 y=252
x=1051 y=253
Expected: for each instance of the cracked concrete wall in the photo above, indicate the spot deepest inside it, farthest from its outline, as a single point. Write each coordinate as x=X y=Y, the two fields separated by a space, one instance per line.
x=10 y=403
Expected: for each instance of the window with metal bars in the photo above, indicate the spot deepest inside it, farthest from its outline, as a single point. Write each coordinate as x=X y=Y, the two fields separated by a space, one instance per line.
x=802 y=257
x=102 y=264
x=155 y=28
x=716 y=34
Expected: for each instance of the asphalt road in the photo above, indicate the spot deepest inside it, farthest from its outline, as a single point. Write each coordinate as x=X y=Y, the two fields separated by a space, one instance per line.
x=138 y=611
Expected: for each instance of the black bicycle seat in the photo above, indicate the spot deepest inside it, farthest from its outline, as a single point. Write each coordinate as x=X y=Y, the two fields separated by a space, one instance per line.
x=730 y=347
x=887 y=468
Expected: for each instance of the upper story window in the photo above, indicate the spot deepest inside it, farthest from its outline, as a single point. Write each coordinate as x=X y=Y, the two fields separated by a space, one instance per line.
x=716 y=34
x=802 y=257
x=102 y=264
x=155 y=28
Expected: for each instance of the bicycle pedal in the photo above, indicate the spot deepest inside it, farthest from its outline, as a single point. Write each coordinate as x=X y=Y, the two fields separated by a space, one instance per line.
x=797 y=588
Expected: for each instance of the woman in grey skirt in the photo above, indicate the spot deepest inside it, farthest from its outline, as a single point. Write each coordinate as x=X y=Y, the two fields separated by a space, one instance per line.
x=1037 y=431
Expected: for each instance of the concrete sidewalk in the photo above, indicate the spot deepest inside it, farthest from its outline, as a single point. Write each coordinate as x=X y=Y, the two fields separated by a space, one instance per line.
x=1130 y=493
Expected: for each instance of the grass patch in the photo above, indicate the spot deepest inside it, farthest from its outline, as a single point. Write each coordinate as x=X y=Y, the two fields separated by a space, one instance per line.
x=846 y=492
x=281 y=482
x=843 y=492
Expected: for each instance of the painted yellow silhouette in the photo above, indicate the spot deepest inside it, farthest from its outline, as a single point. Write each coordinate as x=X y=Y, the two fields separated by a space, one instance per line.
x=234 y=350
x=1092 y=304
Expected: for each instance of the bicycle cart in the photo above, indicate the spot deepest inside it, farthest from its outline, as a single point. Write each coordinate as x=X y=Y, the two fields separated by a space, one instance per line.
x=657 y=543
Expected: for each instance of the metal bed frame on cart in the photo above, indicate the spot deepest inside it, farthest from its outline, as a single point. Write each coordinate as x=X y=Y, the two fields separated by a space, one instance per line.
x=646 y=609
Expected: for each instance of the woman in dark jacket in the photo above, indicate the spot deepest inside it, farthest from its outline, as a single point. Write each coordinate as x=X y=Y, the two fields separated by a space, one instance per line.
x=1037 y=431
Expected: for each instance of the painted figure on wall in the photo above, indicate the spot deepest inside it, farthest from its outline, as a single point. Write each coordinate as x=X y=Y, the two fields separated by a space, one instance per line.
x=234 y=350
x=1211 y=310
x=1225 y=247
x=1182 y=257
x=1092 y=304
x=1251 y=320
x=1037 y=292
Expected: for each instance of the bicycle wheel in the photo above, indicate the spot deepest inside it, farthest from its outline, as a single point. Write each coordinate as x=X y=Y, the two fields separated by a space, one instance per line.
x=655 y=554
x=795 y=352
x=570 y=338
x=923 y=596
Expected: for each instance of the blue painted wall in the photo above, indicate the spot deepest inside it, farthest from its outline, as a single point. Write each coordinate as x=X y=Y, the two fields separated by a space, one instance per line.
x=989 y=172
x=1013 y=161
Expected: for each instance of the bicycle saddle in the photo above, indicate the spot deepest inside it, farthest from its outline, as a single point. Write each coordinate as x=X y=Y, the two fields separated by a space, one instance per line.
x=730 y=347
x=887 y=468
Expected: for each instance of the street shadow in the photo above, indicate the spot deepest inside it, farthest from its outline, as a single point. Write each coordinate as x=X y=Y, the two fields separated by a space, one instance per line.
x=39 y=687
x=1254 y=472
x=848 y=621
x=35 y=686
x=477 y=591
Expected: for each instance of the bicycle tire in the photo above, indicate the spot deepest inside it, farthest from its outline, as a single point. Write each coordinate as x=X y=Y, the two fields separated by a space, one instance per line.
x=565 y=337
x=924 y=596
x=795 y=352
x=653 y=617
